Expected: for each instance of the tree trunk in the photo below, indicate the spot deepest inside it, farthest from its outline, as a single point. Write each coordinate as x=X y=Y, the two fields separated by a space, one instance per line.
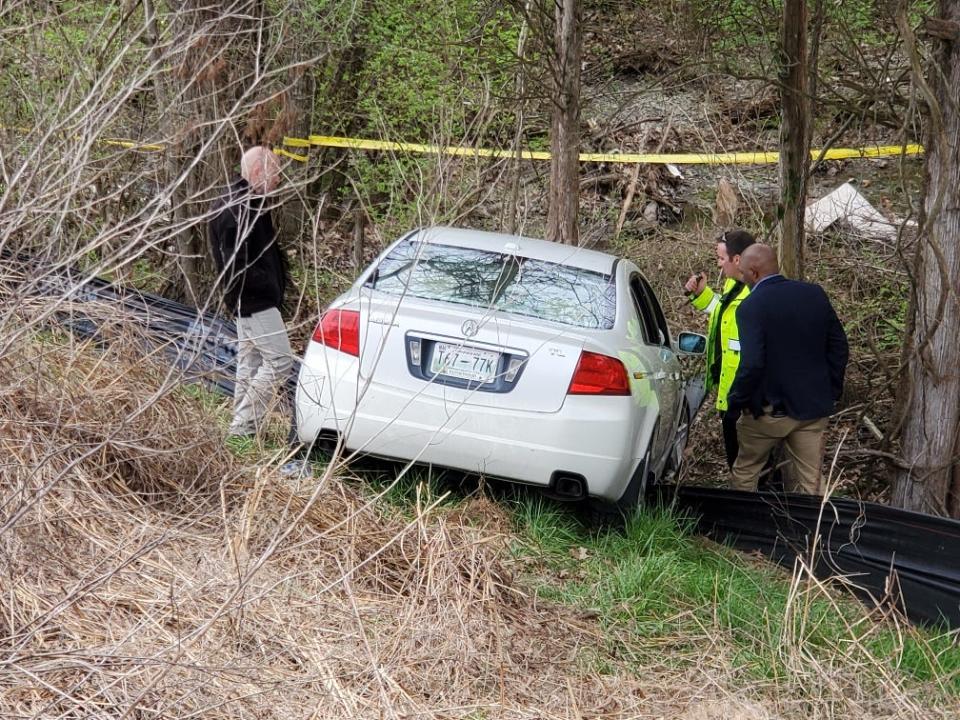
x=519 y=84
x=295 y=216
x=794 y=136
x=931 y=436
x=565 y=127
x=186 y=284
x=339 y=111
x=207 y=61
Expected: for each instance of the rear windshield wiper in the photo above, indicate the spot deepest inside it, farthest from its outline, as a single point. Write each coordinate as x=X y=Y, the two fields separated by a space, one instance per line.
x=507 y=275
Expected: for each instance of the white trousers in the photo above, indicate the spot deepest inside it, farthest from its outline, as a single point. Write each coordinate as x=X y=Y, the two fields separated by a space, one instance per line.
x=264 y=360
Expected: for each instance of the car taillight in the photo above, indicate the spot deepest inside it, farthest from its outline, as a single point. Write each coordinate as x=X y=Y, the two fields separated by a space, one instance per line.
x=599 y=375
x=340 y=330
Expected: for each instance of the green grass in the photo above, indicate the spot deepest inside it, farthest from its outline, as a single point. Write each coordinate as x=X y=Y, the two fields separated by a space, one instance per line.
x=210 y=400
x=652 y=580
x=656 y=588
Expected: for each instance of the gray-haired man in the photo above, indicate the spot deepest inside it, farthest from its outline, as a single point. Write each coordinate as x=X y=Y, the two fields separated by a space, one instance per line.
x=253 y=274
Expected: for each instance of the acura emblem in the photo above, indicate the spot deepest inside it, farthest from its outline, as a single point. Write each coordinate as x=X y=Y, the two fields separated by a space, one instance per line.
x=470 y=328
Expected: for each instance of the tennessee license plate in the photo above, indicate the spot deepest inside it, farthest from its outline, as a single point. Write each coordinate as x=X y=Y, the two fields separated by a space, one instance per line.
x=465 y=363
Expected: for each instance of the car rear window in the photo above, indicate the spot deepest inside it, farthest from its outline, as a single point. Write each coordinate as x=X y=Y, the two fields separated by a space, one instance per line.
x=509 y=283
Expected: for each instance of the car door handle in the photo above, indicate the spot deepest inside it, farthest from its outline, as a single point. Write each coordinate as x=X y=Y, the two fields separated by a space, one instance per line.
x=649 y=376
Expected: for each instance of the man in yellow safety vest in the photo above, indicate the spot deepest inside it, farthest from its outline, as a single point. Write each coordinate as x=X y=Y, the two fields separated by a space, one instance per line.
x=723 y=336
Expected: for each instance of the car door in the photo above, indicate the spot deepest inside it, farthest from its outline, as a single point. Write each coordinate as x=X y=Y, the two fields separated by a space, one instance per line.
x=668 y=356
x=664 y=367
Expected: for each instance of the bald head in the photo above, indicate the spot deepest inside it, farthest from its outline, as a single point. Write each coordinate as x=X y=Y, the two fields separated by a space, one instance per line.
x=261 y=168
x=757 y=262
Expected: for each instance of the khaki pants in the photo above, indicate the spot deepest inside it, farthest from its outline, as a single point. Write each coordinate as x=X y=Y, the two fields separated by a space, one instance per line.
x=264 y=359
x=803 y=441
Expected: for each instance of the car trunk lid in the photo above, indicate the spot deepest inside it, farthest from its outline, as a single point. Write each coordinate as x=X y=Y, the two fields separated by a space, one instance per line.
x=463 y=355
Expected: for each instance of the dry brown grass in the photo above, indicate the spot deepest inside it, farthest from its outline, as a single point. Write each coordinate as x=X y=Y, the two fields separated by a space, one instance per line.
x=150 y=572
x=147 y=572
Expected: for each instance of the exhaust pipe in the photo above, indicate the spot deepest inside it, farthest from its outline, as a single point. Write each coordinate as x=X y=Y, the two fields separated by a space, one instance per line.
x=567 y=485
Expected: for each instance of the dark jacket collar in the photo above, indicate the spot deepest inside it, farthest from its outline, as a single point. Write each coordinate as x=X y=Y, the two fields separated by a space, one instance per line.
x=768 y=280
x=241 y=193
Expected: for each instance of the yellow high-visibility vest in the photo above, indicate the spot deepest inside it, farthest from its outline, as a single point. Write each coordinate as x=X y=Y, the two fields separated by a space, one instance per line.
x=722 y=330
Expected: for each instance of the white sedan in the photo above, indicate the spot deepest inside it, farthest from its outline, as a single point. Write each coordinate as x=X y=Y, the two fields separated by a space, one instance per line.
x=514 y=358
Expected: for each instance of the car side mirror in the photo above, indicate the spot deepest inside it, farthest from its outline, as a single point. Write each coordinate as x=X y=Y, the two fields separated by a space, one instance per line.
x=692 y=343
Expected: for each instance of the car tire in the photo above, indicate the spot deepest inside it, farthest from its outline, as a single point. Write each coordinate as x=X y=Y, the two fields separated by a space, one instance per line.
x=603 y=513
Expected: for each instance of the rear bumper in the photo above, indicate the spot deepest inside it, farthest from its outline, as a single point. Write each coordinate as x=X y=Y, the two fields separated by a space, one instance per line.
x=596 y=438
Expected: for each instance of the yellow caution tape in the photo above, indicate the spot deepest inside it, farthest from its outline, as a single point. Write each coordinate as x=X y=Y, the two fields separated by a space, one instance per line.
x=117 y=142
x=292 y=156
x=734 y=158
x=731 y=158
x=296 y=142
x=358 y=144
x=154 y=147
x=133 y=145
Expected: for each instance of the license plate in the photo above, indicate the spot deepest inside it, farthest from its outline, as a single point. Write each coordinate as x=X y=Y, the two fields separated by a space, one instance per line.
x=464 y=363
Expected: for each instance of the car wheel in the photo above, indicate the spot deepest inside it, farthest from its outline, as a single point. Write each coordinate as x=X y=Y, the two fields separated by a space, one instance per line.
x=680 y=440
x=603 y=512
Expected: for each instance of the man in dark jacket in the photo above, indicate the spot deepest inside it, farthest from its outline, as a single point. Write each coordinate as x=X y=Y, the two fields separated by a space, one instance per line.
x=252 y=273
x=793 y=358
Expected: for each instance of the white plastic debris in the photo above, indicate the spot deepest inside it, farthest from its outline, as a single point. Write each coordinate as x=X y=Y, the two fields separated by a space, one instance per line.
x=297 y=469
x=651 y=211
x=847 y=204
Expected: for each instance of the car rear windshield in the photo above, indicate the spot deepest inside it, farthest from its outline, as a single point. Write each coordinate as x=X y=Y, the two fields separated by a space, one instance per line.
x=504 y=282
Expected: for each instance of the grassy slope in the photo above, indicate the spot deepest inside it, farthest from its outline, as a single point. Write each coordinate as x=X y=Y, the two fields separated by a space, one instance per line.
x=518 y=580
x=653 y=580
x=662 y=595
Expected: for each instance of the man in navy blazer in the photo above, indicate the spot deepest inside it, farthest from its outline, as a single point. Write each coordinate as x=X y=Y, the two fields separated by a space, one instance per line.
x=793 y=355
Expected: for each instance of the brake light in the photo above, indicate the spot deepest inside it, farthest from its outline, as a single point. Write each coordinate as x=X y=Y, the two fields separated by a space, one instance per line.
x=599 y=375
x=340 y=330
